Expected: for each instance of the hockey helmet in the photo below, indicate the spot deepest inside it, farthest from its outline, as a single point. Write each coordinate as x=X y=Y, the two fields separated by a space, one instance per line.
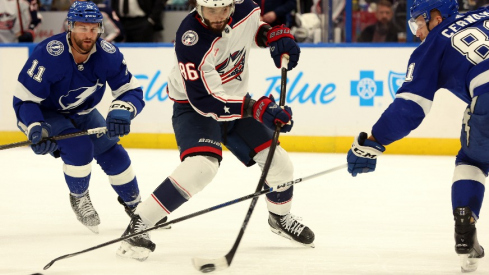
x=423 y=8
x=84 y=11
x=214 y=4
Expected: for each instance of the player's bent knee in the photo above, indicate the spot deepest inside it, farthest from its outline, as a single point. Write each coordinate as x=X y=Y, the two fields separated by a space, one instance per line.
x=194 y=173
x=281 y=169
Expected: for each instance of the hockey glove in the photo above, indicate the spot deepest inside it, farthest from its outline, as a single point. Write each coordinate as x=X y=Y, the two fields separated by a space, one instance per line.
x=119 y=118
x=35 y=133
x=281 y=42
x=362 y=157
x=269 y=113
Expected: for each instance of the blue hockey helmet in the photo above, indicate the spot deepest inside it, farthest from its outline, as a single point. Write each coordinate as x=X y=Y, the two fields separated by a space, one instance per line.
x=84 y=11
x=423 y=8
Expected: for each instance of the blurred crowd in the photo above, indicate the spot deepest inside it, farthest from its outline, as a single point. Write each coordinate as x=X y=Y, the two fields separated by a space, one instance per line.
x=142 y=20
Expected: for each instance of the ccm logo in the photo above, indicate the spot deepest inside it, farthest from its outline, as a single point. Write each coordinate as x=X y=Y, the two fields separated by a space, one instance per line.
x=364 y=154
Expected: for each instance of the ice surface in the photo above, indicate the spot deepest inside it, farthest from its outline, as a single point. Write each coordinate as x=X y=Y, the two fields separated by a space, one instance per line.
x=397 y=220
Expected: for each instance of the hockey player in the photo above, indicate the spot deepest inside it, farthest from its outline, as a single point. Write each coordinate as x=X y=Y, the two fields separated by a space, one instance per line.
x=209 y=87
x=453 y=55
x=57 y=92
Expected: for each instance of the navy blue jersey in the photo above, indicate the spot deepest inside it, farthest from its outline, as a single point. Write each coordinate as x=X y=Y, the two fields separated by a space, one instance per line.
x=453 y=56
x=211 y=70
x=50 y=79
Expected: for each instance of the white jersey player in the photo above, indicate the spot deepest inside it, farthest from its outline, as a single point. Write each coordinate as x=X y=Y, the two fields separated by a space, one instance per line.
x=209 y=87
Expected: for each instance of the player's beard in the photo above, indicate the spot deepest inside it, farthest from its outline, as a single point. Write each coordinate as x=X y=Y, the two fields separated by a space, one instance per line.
x=215 y=30
x=86 y=48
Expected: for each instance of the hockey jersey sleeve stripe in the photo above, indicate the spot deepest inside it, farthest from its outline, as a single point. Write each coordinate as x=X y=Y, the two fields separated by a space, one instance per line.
x=22 y=93
x=424 y=103
x=477 y=82
x=133 y=84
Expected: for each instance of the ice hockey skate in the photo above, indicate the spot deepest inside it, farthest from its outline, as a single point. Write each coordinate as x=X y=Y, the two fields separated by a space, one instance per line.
x=466 y=243
x=289 y=227
x=137 y=247
x=85 y=212
x=130 y=213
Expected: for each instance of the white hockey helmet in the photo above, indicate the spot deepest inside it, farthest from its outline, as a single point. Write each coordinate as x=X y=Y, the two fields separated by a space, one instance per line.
x=214 y=4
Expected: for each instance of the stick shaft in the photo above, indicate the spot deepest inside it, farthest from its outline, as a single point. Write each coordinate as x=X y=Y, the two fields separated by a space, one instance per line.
x=100 y=130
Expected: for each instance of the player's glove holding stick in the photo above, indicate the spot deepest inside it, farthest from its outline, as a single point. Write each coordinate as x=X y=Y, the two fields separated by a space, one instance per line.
x=362 y=157
x=281 y=42
x=119 y=118
x=35 y=133
x=266 y=111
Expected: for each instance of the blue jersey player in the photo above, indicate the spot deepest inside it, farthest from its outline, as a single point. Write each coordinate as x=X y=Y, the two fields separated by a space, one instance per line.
x=58 y=89
x=209 y=87
x=453 y=55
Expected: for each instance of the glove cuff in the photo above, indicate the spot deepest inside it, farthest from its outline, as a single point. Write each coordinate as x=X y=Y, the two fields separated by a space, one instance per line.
x=365 y=148
x=123 y=105
x=278 y=32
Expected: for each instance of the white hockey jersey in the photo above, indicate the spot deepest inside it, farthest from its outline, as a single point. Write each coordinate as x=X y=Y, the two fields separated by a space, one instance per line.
x=211 y=70
x=10 y=23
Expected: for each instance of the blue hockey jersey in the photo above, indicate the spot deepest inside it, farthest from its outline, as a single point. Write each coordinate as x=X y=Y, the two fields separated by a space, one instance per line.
x=211 y=70
x=50 y=79
x=453 y=56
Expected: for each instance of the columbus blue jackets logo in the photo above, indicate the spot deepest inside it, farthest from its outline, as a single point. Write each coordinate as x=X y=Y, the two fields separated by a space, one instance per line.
x=108 y=47
x=55 y=48
x=76 y=97
x=232 y=67
x=395 y=82
x=190 y=38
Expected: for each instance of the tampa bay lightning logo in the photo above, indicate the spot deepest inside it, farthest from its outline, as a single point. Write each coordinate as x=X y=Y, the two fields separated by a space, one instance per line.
x=190 y=38
x=55 y=48
x=395 y=82
x=106 y=46
x=76 y=97
x=232 y=67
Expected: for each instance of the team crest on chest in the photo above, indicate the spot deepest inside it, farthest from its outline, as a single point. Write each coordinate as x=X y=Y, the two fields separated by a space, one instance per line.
x=55 y=48
x=190 y=38
x=106 y=46
x=232 y=67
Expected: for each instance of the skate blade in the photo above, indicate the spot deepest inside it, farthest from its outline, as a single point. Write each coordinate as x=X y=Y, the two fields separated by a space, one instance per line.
x=129 y=251
x=468 y=264
x=282 y=234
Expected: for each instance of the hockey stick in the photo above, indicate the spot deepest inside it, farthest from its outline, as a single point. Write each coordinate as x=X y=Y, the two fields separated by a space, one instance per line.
x=220 y=263
x=209 y=265
x=100 y=130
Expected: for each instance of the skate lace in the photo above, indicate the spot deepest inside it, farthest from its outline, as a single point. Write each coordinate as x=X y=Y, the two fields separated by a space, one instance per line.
x=85 y=206
x=139 y=226
x=291 y=223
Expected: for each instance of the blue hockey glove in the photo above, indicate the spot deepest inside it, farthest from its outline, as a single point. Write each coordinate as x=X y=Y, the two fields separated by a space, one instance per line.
x=281 y=42
x=362 y=157
x=35 y=132
x=119 y=118
x=269 y=113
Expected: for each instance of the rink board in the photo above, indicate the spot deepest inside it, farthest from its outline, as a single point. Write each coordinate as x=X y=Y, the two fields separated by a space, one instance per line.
x=335 y=92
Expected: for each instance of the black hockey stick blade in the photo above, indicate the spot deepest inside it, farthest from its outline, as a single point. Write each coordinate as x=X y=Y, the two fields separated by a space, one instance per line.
x=195 y=214
x=99 y=130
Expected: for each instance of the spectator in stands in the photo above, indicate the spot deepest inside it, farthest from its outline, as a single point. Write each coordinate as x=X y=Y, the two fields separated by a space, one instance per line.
x=15 y=18
x=384 y=30
x=140 y=19
x=277 y=12
x=112 y=26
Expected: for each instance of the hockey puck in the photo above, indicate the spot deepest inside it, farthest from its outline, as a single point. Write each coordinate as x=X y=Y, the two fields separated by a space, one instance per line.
x=207 y=268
